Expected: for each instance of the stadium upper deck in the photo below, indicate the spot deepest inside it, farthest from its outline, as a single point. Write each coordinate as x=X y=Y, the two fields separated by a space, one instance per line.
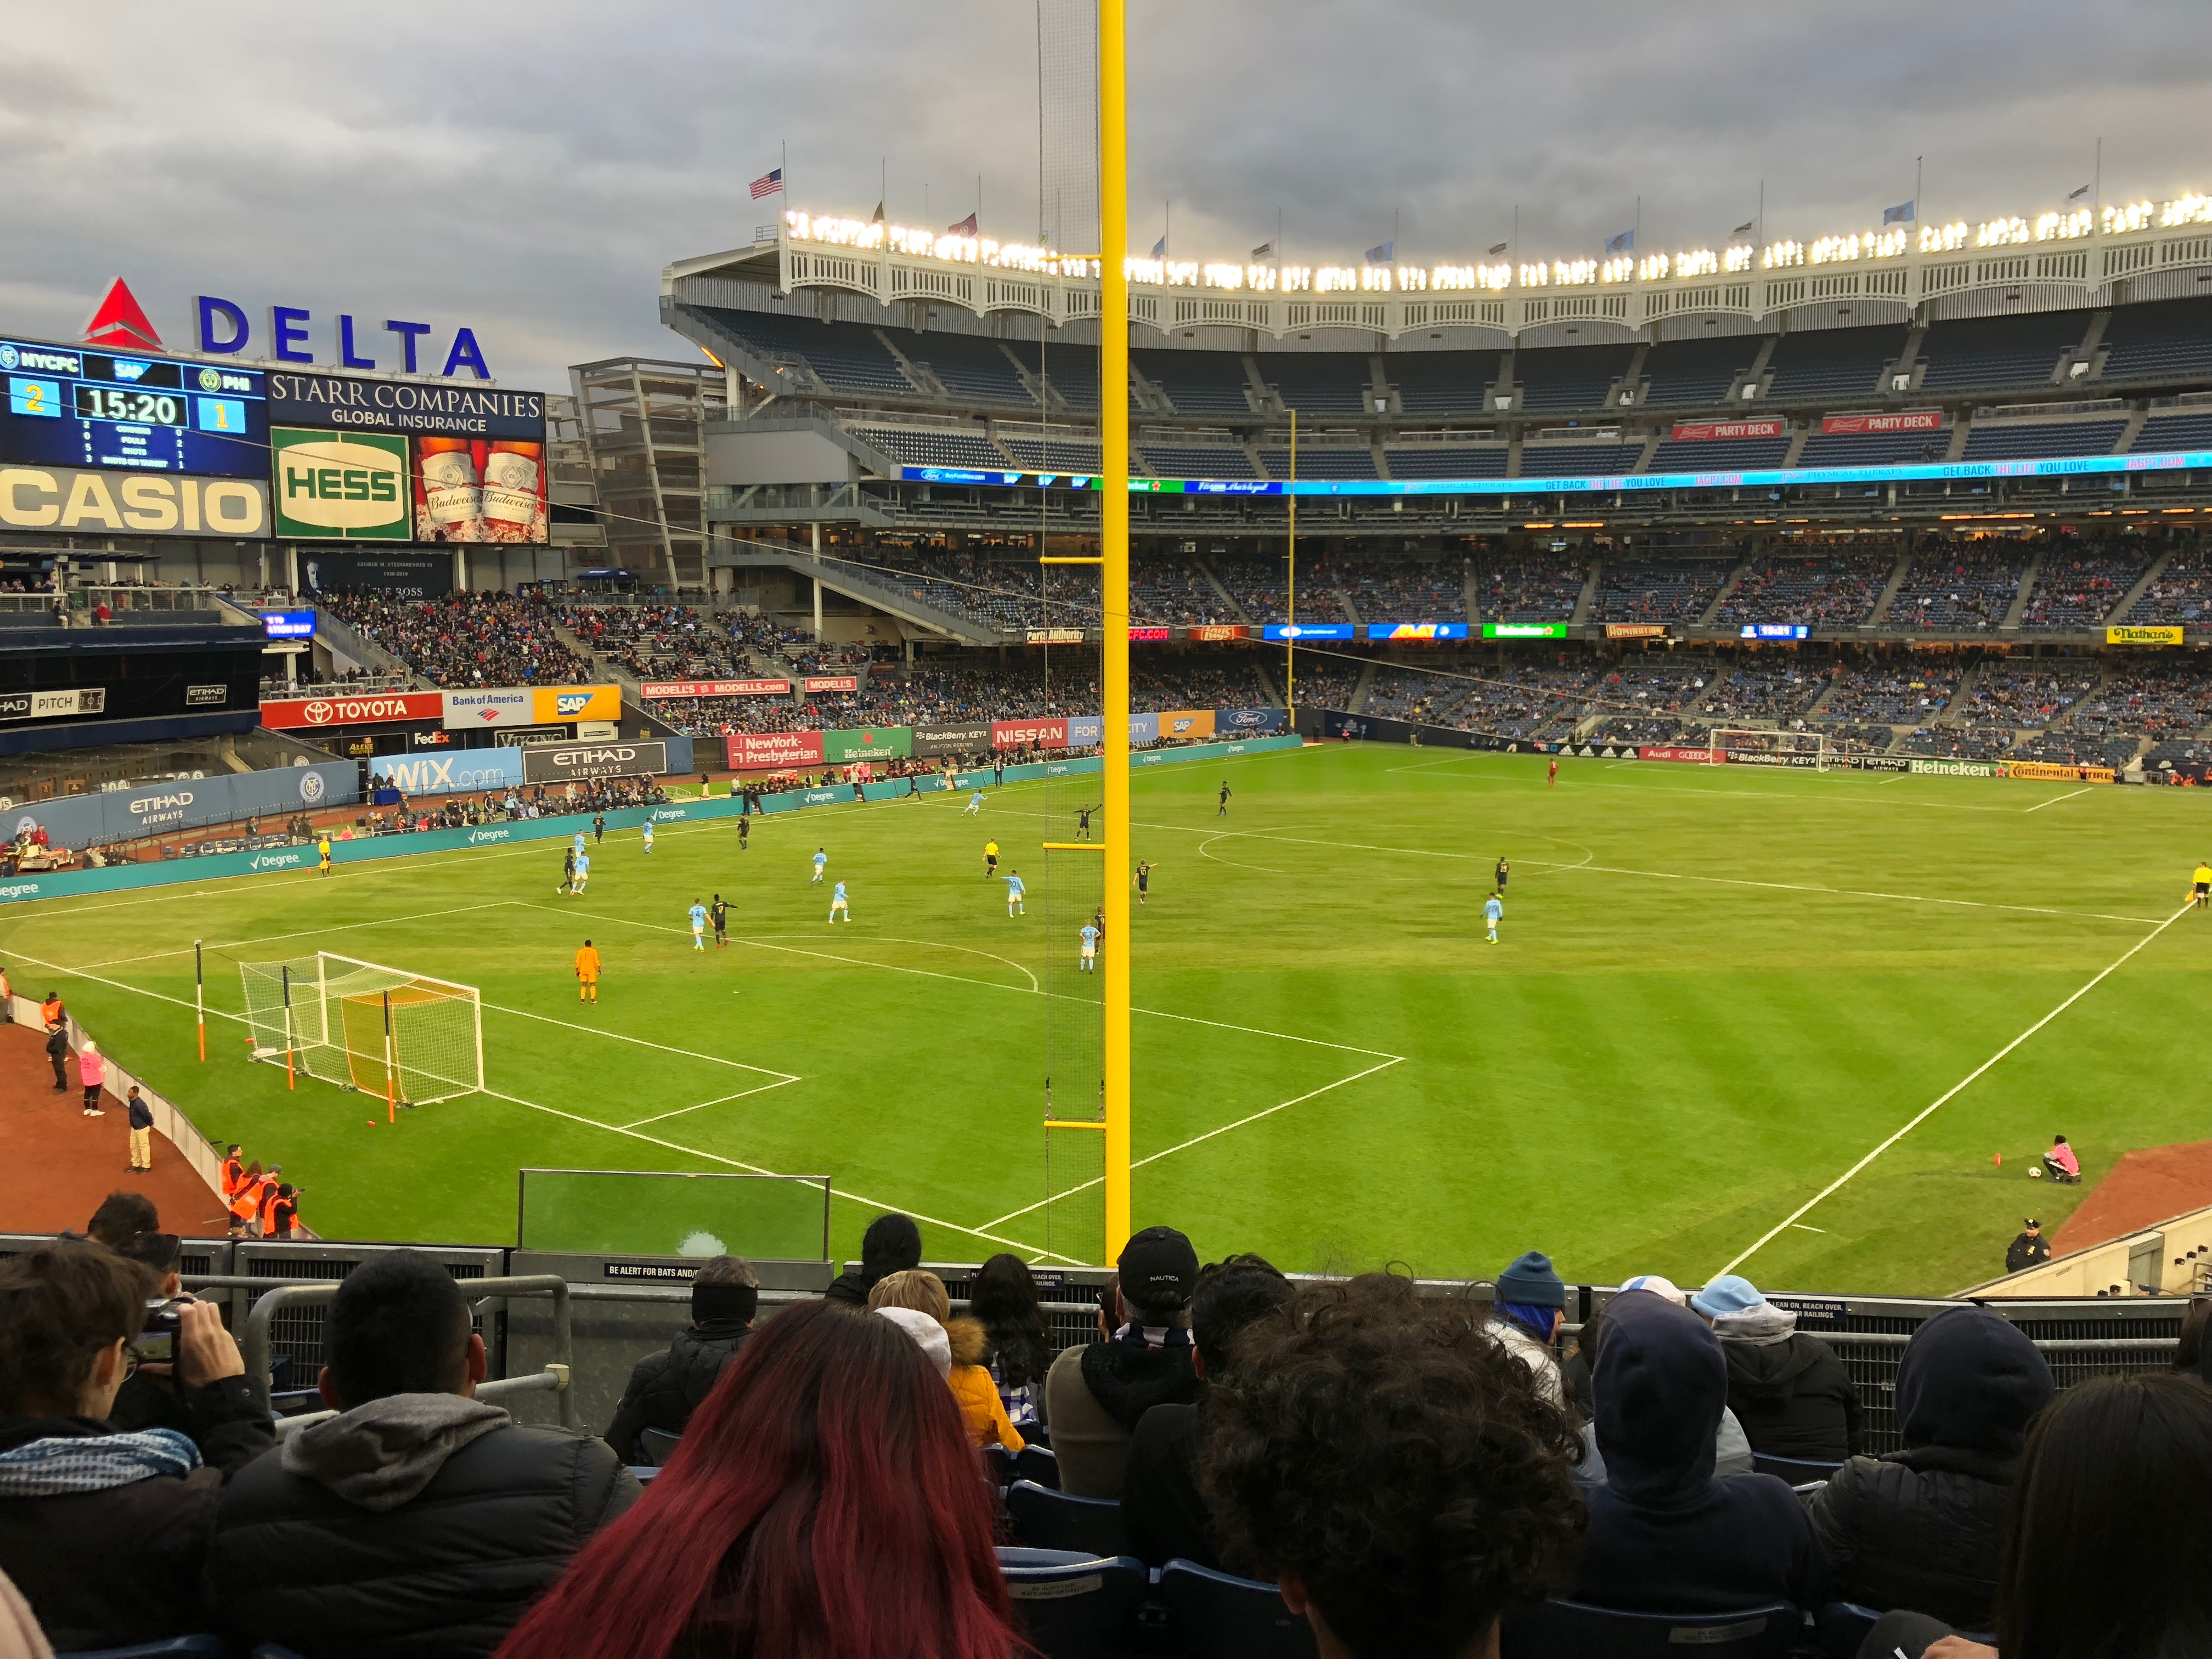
x=2029 y=364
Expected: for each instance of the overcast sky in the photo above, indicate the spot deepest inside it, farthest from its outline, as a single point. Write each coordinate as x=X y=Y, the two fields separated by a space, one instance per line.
x=527 y=169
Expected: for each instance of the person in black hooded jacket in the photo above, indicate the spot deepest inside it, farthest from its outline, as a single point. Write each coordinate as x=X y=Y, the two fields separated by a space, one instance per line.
x=1666 y=1534
x=1921 y=1527
x=892 y=1244
x=665 y=1388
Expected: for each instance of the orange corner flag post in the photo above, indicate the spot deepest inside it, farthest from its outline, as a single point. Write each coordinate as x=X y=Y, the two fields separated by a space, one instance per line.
x=390 y=1077
x=199 y=997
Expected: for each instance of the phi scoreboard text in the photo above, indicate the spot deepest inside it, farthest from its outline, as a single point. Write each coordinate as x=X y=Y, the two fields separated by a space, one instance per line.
x=70 y=406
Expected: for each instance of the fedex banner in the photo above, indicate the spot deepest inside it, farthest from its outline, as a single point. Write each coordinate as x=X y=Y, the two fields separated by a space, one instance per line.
x=1909 y=420
x=716 y=688
x=452 y=773
x=388 y=707
x=1707 y=431
x=756 y=751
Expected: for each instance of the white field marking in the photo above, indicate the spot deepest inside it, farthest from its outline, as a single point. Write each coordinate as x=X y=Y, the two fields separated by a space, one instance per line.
x=1803 y=1228
x=1231 y=835
x=612 y=1128
x=2055 y=799
x=877 y=1204
x=1842 y=892
x=308 y=933
x=1224 y=1129
x=1429 y=852
x=961 y=979
x=719 y=1100
x=1928 y=1111
x=1680 y=789
x=645 y=1042
x=932 y=944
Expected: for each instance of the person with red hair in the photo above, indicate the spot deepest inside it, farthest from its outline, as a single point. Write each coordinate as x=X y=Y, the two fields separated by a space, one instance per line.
x=824 y=1504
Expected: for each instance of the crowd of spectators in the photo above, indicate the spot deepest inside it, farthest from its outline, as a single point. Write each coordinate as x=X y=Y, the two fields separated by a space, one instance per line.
x=1958 y=587
x=1538 y=588
x=2160 y=701
x=2025 y=694
x=2182 y=593
x=1632 y=590
x=1911 y=693
x=1975 y=743
x=1765 y=686
x=1261 y=586
x=1817 y=590
x=466 y=638
x=530 y=800
x=2077 y=588
x=1413 y=1475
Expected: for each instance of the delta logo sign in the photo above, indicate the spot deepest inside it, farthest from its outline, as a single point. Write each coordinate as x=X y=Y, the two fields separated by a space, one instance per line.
x=120 y=322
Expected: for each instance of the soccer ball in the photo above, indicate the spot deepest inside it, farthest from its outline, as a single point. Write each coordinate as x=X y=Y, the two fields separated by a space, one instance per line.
x=2034 y=1174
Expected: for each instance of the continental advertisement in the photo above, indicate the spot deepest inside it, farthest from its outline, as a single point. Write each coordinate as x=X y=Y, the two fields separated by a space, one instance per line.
x=2143 y=637
x=2045 y=772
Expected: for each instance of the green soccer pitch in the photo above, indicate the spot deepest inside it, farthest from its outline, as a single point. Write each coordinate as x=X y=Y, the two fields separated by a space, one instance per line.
x=1730 y=1007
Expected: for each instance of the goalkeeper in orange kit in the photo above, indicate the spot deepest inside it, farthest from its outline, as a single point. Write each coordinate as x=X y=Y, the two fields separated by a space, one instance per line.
x=587 y=974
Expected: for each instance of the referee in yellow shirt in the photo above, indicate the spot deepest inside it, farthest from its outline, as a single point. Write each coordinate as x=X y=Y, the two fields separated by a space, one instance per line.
x=2203 y=880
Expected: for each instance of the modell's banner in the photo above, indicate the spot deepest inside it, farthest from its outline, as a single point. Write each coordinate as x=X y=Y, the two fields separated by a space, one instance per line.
x=830 y=682
x=716 y=688
x=748 y=751
x=386 y=707
x=1909 y=420
x=1707 y=431
x=1022 y=734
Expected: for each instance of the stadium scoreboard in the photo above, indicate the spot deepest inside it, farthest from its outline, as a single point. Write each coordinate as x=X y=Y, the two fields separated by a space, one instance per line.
x=68 y=406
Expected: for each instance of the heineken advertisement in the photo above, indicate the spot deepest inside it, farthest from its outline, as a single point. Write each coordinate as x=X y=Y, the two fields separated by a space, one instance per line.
x=331 y=486
x=873 y=743
x=1524 y=630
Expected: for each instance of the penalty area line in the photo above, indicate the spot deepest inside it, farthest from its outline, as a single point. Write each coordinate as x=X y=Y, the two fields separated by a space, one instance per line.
x=1798 y=1215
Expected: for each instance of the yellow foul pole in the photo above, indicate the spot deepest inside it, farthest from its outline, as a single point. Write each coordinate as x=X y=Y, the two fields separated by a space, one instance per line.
x=1114 y=545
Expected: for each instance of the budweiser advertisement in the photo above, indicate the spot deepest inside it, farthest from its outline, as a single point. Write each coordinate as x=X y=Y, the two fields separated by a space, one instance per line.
x=1905 y=420
x=753 y=751
x=1708 y=431
x=476 y=490
x=830 y=682
x=714 y=689
x=1022 y=734
x=384 y=708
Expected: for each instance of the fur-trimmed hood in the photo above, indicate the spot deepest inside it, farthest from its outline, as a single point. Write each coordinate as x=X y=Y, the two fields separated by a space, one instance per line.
x=970 y=1342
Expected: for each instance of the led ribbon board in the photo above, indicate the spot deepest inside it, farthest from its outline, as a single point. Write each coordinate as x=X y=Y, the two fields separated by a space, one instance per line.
x=71 y=406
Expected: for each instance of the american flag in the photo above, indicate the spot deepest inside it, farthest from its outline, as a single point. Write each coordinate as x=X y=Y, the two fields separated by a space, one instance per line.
x=767 y=183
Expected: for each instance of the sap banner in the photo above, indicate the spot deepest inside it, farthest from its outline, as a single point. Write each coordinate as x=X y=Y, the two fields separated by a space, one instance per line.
x=176 y=805
x=452 y=773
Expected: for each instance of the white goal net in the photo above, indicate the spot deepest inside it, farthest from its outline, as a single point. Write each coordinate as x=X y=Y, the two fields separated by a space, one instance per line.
x=405 y=1037
x=1809 y=748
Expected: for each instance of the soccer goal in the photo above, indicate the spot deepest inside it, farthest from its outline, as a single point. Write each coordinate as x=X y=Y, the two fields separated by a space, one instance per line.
x=1810 y=748
x=407 y=1037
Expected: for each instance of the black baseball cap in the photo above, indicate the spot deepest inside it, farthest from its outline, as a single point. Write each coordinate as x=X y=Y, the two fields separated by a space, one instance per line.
x=2030 y=1221
x=1158 y=1267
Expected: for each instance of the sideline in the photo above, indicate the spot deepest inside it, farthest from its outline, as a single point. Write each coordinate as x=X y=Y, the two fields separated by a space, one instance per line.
x=1806 y=1208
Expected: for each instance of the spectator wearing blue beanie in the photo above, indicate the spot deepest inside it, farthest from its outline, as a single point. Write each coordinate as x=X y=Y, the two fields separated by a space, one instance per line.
x=1530 y=1307
x=1788 y=1387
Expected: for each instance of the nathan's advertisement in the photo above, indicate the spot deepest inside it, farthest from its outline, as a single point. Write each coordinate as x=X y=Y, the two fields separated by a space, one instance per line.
x=479 y=489
x=753 y=751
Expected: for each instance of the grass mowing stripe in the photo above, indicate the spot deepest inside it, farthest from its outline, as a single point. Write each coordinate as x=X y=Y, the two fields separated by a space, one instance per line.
x=1929 y=1111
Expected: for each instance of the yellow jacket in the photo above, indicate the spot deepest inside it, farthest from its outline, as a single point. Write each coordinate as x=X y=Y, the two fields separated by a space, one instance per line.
x=982 y=1412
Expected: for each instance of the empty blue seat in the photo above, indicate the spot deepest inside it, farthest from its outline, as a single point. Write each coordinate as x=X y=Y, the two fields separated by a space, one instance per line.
x=1048 y=1520
x=1037 y=1463
x=1572 y=1630
x=1075 y=1605
x=1216 y=1616
x=657 y=1446
x=174 y=1647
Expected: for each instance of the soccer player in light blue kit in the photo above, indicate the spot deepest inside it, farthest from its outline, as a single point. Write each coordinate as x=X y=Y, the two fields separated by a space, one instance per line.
x=821 y=859
x=698 y=925
x=1089 y=948
x=648 y=836
x=583 y=871
x=579 y=843
x=837 y=903
x=1014 y=891
x=1492 y=908
x=975 y=804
